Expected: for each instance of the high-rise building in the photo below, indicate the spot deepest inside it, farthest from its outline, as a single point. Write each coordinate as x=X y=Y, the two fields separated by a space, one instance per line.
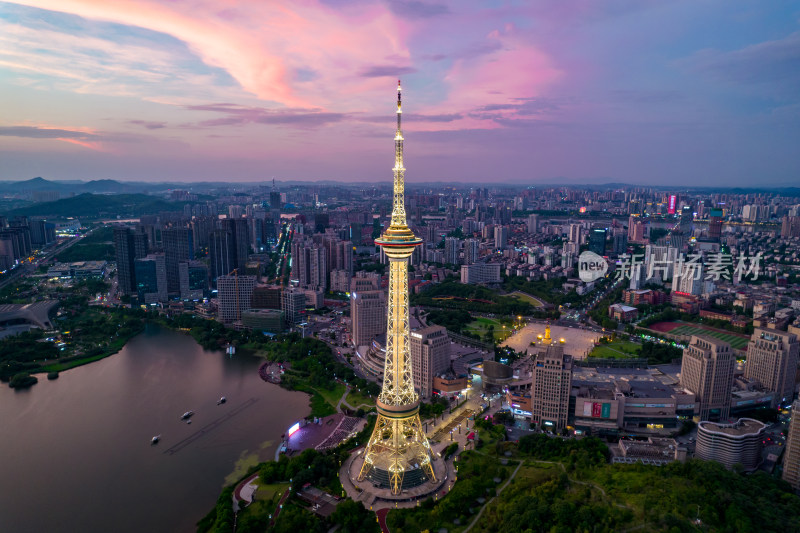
x=241 y=239
x=129 y=246
x=368 y=316
x=471 y=251
x=659 y=261
x=430 y=355
x=791 y=456
x=150 y=273
x=310 y=264
x=790 y=227
x=688 y=278
x=637 y=230
x=551 y=383
x=500 y=237
x=772 y=360
x=193 y=280
x=234 y=294
x=452 y=247
x=178 y=246
x=266 y=297
x=221 y=253
x=597 y=241
x=533 y=223
x=707 y=371
x=575 y=233
x=715 y=224
x=620 y=243
x=365 y=281
x=340 y=281
x=398 y=456
x=293 y=304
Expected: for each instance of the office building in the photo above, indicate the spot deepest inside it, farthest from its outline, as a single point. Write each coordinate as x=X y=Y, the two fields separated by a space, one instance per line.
x=240 y=234
x=430 y=356
x=129 y=246
x=150 y=273
x=178 y=246
x=597 y=241
x=192 y=280
x=481 y=273
x=550 y=388
x=620 y=245
x=707 y=371
x=772 y=360
x=791 y=456
x=221 y=254
x=368 y=316
x=731 y=444
x=234 y=294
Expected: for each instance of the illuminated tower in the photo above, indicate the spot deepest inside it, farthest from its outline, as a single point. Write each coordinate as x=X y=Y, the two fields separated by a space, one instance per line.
x=398 y=454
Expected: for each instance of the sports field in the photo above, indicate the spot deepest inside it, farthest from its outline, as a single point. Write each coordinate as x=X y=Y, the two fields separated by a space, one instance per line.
x=736 y=341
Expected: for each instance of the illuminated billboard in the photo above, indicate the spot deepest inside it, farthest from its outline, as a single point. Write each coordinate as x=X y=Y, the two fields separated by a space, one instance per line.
x=671 y=205
x=294 y=428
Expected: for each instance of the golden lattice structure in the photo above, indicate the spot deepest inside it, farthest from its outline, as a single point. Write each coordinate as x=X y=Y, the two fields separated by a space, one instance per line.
x=398 y=454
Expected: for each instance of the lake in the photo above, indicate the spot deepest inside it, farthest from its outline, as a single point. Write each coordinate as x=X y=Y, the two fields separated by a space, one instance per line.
x=75 y=453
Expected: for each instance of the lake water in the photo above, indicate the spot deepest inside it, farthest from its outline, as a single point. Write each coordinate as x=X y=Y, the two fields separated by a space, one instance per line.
x=75 y=453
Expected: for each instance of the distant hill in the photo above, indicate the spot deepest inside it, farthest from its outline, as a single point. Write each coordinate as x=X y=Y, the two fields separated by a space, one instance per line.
x=100 y=206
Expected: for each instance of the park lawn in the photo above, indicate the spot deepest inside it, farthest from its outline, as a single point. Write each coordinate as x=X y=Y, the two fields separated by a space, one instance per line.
x=271 y=491
x=735 y=341
x=526 y=298
x=616 y=350
x=333 y=395
x=481 y=325
x=356 y=399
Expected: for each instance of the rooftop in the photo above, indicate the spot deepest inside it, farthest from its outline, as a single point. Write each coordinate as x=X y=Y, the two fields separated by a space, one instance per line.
x=741 y=428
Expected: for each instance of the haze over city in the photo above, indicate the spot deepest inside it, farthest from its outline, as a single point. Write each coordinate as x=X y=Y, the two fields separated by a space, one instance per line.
x=679 y=93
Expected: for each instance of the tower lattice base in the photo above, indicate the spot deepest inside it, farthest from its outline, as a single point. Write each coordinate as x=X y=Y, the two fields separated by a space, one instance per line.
x=398 y=454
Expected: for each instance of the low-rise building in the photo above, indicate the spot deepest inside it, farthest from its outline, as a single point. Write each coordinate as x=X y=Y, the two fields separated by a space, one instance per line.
x=730 y=444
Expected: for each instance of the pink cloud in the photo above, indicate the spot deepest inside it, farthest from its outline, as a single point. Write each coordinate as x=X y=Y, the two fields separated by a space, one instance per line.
x=264 y=45
x=507 y=71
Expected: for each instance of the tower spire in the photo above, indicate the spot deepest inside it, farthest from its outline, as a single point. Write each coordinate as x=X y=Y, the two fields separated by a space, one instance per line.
x=398 y=205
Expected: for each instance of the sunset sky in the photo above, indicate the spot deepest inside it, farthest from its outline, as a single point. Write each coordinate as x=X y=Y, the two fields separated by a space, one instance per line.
x=587 y=91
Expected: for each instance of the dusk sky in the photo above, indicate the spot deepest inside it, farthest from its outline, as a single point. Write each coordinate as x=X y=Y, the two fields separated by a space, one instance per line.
x=660 y=92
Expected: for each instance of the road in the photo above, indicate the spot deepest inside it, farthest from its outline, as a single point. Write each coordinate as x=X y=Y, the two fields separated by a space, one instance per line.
x=29 y=267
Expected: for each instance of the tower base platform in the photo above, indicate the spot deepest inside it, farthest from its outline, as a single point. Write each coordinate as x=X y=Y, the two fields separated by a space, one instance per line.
x=374 y=492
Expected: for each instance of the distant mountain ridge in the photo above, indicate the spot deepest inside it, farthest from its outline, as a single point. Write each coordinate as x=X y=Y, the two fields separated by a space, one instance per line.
x=106 y=186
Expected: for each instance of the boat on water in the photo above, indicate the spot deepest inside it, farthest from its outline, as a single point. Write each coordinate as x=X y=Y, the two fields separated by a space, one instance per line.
x=222 y=400
x=187 y=415
x=155 y=439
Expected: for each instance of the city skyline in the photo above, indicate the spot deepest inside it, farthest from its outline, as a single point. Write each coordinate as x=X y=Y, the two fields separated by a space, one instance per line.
x=589 y=93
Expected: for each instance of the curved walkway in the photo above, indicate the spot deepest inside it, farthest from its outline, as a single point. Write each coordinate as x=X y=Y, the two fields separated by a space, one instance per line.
x=478 y=516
